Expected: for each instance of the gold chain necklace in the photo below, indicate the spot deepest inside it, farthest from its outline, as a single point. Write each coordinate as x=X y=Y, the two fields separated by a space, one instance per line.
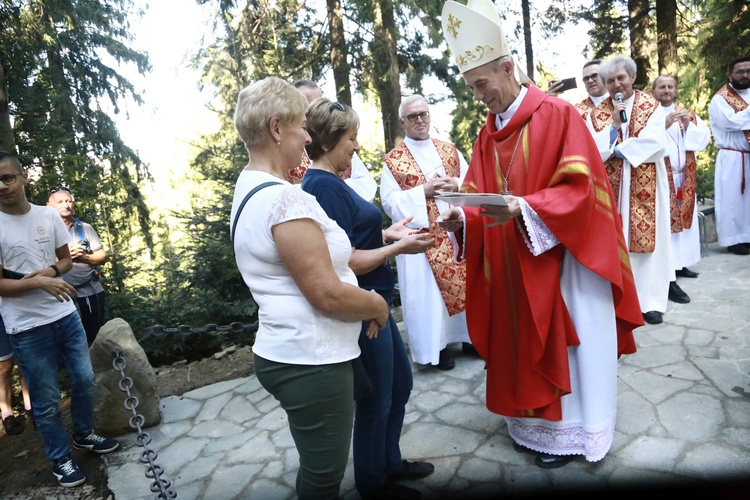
x=506 y=187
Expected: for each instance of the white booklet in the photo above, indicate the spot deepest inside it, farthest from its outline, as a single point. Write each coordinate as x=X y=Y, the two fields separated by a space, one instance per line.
x=472 y=199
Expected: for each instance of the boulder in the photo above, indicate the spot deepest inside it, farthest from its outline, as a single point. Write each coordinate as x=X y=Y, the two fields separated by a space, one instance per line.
x=112 y=418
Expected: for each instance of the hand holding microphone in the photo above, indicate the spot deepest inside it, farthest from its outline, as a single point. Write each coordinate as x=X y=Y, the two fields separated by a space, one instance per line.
x=623 y=116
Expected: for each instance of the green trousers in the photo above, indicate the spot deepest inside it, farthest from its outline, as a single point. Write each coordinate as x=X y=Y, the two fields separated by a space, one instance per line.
x=319 y=402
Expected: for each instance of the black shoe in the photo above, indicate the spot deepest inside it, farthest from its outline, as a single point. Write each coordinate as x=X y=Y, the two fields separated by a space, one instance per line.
x=686 y=273
x=469 y=350
x=677 y=294
x=546 y=461
x=12 y=426
x=391 y=491
x=412 y=470
x=521 y=448
x=652 y=317
x=446 y=361
x=739 y=249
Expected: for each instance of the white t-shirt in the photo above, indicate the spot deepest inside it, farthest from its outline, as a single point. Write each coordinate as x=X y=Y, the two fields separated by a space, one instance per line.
x=290 y=330
x=27 y=243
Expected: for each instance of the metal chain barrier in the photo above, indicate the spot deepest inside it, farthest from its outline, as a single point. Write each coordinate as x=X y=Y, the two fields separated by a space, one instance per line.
x=211 y=328
x=160 y=485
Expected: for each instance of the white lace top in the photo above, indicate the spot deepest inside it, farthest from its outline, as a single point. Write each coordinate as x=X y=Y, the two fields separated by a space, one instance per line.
x=290 y=330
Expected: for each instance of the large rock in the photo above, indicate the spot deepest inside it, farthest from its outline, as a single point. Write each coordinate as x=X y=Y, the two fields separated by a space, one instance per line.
x=112 y=418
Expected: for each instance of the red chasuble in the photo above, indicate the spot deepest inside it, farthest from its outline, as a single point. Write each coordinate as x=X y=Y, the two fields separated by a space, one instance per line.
x=516 y=315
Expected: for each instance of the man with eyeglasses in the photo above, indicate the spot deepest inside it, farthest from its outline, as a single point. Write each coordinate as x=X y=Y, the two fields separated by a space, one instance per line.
x=594 y=86
x=686 y=134
x=431 y=285
x=729 y=115
x=87 y=252
x=357 y=177
x=43 y=325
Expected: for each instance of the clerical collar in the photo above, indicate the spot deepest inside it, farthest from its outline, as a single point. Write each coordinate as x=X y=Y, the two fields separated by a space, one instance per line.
x=501 y=119
x=417 y=143
x=598 y=99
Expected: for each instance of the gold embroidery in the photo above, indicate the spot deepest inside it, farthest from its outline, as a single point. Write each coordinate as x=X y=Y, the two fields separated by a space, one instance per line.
x=476 y=55
x=450 y=277
x=453 y=25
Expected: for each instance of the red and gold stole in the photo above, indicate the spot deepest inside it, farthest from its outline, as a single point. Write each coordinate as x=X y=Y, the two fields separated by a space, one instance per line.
x=735 y=102
x=450 y=277
x=642 y=179
x=585 y=107
x=296 y=174
x=682 y=201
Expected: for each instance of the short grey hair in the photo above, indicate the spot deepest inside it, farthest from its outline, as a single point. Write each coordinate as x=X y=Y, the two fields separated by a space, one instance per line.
x=261 y=101
x=615 y=64
x=408 y=100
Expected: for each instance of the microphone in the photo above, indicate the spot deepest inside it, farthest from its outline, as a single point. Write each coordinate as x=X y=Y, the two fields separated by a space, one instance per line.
x=623 y=116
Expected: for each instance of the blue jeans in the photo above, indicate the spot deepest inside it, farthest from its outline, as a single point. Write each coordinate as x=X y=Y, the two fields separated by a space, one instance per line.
x=380 y=416
x=39 y=352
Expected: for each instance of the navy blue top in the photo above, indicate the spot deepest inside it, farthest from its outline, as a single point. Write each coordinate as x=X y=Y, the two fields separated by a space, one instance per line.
x=360 y=219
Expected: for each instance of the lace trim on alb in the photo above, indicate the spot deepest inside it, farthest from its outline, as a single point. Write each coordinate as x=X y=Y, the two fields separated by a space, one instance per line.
x=536 y=234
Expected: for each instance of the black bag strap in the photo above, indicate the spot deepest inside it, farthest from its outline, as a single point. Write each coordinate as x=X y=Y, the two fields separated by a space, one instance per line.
x=242 y=205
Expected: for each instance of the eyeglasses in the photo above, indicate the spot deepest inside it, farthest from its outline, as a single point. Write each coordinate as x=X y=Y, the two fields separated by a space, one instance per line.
x=741 y=72
x=413 y=117
x=586 y=78
x=8 y=179
x=336 y=105
x=59 y=188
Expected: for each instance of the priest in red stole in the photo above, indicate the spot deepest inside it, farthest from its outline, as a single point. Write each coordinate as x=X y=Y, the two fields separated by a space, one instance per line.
x=551 y=301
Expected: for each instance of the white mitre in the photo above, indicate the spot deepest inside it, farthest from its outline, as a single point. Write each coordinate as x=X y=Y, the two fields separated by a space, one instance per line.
x=475 y=35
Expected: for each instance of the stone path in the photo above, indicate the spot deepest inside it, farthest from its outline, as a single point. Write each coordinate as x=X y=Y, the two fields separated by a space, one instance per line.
x=683 y=420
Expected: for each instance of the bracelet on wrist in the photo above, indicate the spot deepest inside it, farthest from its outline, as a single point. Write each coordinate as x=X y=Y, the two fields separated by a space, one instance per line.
x=56 y=269
x=385 y=256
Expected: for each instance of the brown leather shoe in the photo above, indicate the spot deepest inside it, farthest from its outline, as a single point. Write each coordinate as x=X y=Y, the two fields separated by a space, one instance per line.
x=12 y=426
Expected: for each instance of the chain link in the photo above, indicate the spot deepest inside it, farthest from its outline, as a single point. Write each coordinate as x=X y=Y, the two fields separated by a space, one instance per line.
x=160 y=485
x=211 y=328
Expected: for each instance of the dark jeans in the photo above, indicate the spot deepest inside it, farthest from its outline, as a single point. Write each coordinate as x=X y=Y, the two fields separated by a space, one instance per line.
x=380 y=416
x=319 y=402
x=91 y=309
x=39 y=353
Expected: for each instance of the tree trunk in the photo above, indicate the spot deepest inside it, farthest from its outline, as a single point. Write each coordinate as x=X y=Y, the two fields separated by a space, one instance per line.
x=385 y=70
x=7 y=142
x=638 y=25
x=666 y=29
x=339 y=52
x=527 y=39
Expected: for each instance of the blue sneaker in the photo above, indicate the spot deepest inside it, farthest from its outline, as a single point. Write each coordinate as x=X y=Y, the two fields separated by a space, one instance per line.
x=96 y=443
x=67 y=473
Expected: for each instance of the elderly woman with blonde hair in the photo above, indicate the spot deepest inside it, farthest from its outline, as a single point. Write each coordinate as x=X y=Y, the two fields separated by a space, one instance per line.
x=294 y=259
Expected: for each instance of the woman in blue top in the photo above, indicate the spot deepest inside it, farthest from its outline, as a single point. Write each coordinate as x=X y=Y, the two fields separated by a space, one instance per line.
x=379 y=417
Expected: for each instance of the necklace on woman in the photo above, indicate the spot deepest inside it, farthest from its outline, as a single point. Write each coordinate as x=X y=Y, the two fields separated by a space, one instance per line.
x=506 y=187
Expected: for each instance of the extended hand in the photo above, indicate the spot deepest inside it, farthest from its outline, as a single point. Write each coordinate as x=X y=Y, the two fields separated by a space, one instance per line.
x=399 y=230
x=415 y=243
x=450 y=220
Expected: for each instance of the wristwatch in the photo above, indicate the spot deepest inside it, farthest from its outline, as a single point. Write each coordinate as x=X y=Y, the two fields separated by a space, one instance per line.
x=56 y=269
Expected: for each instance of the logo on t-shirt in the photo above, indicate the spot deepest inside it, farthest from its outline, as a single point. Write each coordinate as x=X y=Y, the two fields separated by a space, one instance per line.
x=40 y=229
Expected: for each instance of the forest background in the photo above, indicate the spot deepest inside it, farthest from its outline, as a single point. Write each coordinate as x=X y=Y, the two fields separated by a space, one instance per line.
x=70 y=75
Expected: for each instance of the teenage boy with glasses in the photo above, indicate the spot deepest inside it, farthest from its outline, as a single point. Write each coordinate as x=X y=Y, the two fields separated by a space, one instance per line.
x=43 y=325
